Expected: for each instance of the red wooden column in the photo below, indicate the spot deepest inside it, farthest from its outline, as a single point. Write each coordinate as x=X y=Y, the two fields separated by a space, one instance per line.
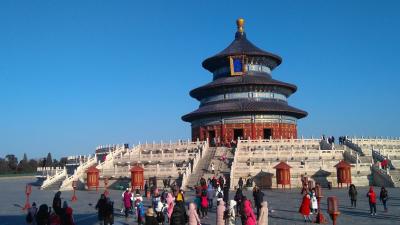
x=137 y=177
x=283 y=174
x=92 y=177
x=343 y=171
x=223 y=141
x=253 y=128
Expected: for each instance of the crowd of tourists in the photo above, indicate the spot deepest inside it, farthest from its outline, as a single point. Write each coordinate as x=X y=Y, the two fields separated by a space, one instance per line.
x=212 y=195
x=59 y=214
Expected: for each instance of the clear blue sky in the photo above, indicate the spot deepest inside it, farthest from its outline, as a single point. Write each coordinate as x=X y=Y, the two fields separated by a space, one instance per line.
x=76 y=74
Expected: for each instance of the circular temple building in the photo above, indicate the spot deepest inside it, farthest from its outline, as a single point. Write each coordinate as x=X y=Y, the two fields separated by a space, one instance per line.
x=243 y=100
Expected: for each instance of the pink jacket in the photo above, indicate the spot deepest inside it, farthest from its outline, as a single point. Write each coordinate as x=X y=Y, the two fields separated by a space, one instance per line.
x=127 y=199
x=220 y=213
x=251 y=218
x=192 y=214
x=170 y=203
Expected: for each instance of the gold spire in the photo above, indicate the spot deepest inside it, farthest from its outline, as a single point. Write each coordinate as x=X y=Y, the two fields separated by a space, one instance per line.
x=240 y=23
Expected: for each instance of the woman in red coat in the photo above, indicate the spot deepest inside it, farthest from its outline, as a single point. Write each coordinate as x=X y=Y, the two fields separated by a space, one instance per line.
x=305 y=207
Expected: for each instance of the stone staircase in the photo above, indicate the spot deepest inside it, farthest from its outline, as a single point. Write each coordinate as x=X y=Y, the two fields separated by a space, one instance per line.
x=395 y=174
x=213 y=156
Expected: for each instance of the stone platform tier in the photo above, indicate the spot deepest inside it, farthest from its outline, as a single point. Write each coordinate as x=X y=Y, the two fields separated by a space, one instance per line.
x=256 y=159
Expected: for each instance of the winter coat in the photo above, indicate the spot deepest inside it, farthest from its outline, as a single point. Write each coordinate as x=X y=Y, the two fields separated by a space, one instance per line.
x=150 y=220
x=170 y=203
x=251 y=218
x=258 y=198
x=179 y=216
x=305 y=205
x=220 y=213
x=383 y=196
x=68 y=219
x=43 y=216
x=353 y=194
x=101 y=208
x=192 y=214
x=210 y=192
x=232 y=212
x=314 y=202
x=127 y=199
x=204 y=201
x=32 y=212
x=263 y=218
x=371 y=195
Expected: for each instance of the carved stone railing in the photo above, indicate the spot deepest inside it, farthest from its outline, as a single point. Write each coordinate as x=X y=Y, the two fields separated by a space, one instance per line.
x=50 y=180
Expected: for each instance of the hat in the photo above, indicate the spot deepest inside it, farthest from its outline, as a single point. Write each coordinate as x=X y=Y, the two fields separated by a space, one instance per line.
x=179 y=197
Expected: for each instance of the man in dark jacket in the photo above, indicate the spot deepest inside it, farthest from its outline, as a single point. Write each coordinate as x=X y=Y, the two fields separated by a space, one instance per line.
x=258 y=199
x=101 y=207
x=57 y=203
x=179 y=216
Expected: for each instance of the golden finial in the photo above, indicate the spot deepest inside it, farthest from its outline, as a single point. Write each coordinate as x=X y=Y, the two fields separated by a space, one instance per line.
x=240 y=23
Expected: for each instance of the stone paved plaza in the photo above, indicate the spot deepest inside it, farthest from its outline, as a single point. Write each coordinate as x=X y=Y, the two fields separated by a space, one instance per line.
x=284 y=203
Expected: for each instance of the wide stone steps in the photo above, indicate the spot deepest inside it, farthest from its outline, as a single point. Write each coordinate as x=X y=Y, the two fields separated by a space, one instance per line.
x=202 y=166
x=55 y=185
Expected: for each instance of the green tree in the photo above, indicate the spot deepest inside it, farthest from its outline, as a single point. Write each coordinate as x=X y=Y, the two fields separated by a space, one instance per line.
x=3 y=166
x=49 y=160
x=12 y=162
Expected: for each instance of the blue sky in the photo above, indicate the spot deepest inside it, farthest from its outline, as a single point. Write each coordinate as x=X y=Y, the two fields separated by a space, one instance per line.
x=77 y=74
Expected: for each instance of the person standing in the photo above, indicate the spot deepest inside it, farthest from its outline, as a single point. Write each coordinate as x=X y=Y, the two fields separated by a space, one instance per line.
x=305 y=208
x=101 y=207
x=240 y=183
x=372 y=201
x=353 y=195
x=383 y=197
x=31 y=216
x=314 y=201
x=210 y=196
x=43 y=215
x=263 y=218
x=220 y=213
x=248 y=211
x=219 y=194
x=192 y=215
x=127 y=202
x=258 y=199
x=67 y=218
x=109 y=213
x=179 y=215
x=231 y=213
x=57 y=203
x=170 y=203
x=150 y=218
x=212 y=168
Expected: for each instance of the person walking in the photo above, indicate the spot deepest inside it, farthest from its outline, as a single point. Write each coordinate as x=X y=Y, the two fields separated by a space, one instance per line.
x=101 y=207
x=220 y=213
x=210 y=196
x=314 y=201
x=383 y=197
x=372 y=201
x=212 y=168
x=305 y=208
x=31 y=216
x=127 y=202
x=238 y=198
x=140 y=211
x=240 y=183
x=170 y=203
x=192 y=215
x=204 y=204
x=109 y=213
x=249 y=214
x=353 y=195
x=258 y=199
x=231 y=213
x=150 y=218
x=219 y=194
x=263 y=218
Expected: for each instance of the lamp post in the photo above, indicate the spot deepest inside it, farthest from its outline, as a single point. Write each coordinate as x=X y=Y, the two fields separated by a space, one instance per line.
x=105 y=186
x=74 y=186
x=333 y=208
x=28 y=191
x=320 y=217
